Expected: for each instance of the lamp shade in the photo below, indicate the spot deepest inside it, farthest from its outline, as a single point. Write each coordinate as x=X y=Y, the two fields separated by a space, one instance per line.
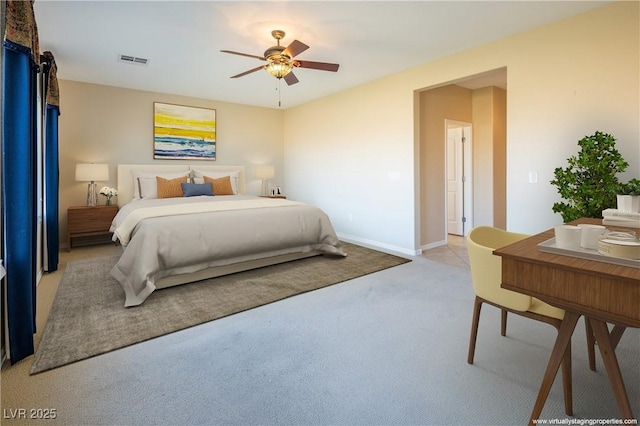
x=92 y=172
x=265 y=172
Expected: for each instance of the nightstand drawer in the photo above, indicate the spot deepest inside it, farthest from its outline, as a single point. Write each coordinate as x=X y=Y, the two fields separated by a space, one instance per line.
x=91 y=219
x=84 y=221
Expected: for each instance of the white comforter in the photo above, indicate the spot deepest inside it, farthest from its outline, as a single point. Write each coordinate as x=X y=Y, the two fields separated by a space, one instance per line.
x=164 y=237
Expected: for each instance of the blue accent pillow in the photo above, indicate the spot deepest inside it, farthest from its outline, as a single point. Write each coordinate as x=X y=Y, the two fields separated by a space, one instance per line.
x=194 y=189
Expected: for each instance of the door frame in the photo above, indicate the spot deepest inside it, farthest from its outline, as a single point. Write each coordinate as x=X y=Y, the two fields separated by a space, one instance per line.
x=467 y=171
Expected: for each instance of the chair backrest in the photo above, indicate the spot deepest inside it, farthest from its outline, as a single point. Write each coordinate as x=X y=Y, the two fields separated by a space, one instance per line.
x=486 y=268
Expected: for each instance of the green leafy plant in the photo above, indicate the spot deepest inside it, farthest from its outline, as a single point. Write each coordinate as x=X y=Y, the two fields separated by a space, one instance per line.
x=630 y=188
x=589 y=183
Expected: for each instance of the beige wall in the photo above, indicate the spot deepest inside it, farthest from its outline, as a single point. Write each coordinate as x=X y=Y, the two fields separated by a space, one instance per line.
x=485 y=109
x=345 y=154
x=355 y=152
x=101 y=124
x=448 y=102
x=499 y=116
x=489 y=157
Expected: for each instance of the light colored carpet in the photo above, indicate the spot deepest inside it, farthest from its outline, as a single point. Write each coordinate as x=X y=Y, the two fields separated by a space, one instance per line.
x=88 y=318
x=388 y=348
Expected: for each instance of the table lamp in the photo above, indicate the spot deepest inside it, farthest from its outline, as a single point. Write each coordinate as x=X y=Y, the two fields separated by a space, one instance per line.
x=92 y=173
x=265 y=173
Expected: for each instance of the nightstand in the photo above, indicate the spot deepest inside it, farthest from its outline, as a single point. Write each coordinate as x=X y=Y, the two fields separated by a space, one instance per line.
x=85 y=221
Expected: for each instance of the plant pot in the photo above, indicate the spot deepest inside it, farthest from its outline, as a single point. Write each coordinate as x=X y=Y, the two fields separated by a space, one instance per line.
x=628 y=203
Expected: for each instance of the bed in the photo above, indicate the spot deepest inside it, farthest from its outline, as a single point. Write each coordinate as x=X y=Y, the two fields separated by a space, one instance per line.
x=169 y=240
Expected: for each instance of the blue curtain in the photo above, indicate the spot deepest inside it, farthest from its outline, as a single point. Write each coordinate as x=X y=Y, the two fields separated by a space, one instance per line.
x=51 y=241
x=51 y=183
x=19 y=196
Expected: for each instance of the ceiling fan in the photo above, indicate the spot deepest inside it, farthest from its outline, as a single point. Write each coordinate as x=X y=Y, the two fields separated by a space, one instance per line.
x=281 y=60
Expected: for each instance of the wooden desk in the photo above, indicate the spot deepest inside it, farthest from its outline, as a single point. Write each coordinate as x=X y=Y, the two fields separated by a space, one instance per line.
x=602 y=292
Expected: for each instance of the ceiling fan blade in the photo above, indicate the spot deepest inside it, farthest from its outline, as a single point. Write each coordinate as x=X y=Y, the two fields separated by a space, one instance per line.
x=323 y=66
x=290 y=78
x=244 y=54
x=295 y=48
x=249 y=72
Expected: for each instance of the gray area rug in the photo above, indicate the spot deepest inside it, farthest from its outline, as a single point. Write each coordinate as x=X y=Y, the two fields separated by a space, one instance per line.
x=88 y=316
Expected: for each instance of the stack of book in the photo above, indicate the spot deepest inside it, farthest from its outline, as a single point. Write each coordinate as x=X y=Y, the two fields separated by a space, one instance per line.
x=616 y=217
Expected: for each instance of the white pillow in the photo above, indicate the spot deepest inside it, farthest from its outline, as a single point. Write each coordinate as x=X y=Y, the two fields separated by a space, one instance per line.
x=147 y=187
x=144 y=182
x=199 y=175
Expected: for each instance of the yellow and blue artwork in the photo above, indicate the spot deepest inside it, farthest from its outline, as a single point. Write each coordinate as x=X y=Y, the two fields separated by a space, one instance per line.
x=183 y=132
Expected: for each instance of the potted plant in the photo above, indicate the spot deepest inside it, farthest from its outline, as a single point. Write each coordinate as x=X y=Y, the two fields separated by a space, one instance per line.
x=589 y=184
x=628 y=197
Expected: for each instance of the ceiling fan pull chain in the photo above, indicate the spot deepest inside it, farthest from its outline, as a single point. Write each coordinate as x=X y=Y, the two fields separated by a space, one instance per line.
x=279 y=91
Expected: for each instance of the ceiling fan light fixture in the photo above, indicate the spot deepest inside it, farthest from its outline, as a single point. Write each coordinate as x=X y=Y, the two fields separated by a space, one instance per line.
x=279 y=69
x=279 y=63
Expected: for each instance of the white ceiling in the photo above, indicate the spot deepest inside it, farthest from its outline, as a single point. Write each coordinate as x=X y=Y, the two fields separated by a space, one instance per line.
x=182 y=41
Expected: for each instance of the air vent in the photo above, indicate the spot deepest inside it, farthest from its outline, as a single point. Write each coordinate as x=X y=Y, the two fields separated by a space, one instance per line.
x=133 y=60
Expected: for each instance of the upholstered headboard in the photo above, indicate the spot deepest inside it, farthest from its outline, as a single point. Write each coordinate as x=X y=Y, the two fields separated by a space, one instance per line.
x=126 y=183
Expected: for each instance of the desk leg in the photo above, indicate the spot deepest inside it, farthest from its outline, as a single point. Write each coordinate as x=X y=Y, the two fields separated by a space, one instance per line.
x=557 y=355
x=616 y=335
x=591 y=345
x=607 y=350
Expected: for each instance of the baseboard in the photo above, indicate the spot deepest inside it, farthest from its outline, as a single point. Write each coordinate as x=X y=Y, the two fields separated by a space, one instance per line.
x=434 y=245
x=376 y=245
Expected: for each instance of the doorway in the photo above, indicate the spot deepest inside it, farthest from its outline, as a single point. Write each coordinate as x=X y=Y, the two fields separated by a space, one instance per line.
x=479 y=102
x=458 y=140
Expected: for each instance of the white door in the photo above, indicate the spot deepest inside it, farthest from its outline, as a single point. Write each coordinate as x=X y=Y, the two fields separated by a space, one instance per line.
x=455 y=190
x=458 y=177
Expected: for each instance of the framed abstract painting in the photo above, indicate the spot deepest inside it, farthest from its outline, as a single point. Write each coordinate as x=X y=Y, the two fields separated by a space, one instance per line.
x=183 y=133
